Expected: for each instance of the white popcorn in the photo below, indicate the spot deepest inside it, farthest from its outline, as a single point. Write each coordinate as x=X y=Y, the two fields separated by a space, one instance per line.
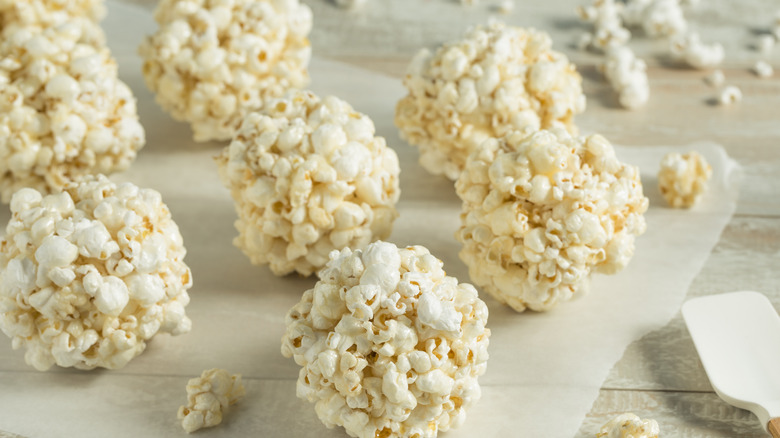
x=763 y=70
x=629 y=426
x=388 y=344
x=662 y=18
x=729 y=95
x=715 y=79
x=543 y=212
x=496 y=79
x=308 y=176
x=608 y=30
x=208 y=396
x=49 y=13
x=627 y=75
x=71 y=288
x=683 y=178
x=765 y=43
x=506 y=7
x=63 y=111
x=214 y=61
x=696 y=54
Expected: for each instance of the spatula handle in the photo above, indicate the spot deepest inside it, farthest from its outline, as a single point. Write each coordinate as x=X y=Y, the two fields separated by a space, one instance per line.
x=774 y=427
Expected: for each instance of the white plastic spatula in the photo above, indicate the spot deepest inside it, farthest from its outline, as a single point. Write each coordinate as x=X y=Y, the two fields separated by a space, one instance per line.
x=737 y=336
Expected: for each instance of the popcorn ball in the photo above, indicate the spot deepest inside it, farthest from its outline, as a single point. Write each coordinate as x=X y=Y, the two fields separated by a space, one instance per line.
x=213 y=61
x=64 y=112
x=390 y=346
x=683 y=178
x=308 y=176
x=495 y=80
x=207 y=397
x=542 y=212
x=629 y=426
x=49 y=12
x=88 y=275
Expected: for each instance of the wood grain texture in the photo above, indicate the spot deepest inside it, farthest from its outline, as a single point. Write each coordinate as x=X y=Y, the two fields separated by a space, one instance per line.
x=774 y=427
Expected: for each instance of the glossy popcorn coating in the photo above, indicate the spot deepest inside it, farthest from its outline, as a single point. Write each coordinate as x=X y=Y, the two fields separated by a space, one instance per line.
x=389 y=345
x=88 y=275
x=683 y=178
x=308 y=176
x=496 y=79
x=213 y=61
x=542 y=212
x=208 y=396
x=49 y=13
x=629 y=426
x=64 y=112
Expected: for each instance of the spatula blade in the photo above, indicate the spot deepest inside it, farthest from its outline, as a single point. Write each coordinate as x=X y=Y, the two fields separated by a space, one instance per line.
x=737 y=336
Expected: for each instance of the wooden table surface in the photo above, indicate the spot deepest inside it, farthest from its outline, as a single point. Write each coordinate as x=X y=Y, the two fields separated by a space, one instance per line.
x=660 y=375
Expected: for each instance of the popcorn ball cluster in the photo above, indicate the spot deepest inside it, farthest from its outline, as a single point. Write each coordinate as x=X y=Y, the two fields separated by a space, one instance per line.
x=495 y=80
x=627 y=74
x=542 y=212
x=308 y=176
x=207 y=397
x=48 y=13
x=88 y=275
x=389 y=345
x=63 y=111
x=629 y=426
x=213 y=61
x=683 y=178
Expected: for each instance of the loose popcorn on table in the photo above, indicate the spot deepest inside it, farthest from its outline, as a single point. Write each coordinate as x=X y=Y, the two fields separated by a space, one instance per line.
x=629 y=426
x=765 y=44
x=658 y=18
x=690 y=49
x=49 y=13
x=627 y=75
x=763 y=70
x=389 y=345
x=208 y=396
x=715 y=79
x=683 y=178
x=308 y=176
x=88 y=275
x=214 y=61
x=729 y=95
x=608 y=30
x=543 y=212
x=64 y=112
x=495 y=80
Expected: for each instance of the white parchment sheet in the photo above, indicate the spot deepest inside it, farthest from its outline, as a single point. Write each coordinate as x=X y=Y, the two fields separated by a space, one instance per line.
x=544 y=371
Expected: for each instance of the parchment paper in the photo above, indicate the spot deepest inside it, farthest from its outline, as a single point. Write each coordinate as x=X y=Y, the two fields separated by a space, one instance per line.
x=544 y=372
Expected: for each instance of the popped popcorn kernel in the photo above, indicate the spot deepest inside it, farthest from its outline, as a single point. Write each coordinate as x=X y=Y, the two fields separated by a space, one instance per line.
x=629 y=426
x=388 y=344
x=715 y=79
x=690 y=49
x=213 y=61
x=494 y=80
x=683 y=178
x=608 y=30
x=729 y=95
x=763 y=70
x=627 y=75
x=64 y=112
x=208 y=396
x=90 y=274
x=49 y=13
x=542 y=212
x=308 y=176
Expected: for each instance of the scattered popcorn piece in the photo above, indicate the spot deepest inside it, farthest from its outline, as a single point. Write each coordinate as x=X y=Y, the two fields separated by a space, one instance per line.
x=309 y=176
x=496 y=79
x=388 y=344
x=765 y=43
x=506 y=7
x=763 y=70
x=627 y=75
x=48 y=13
x=351 y=4
x=715 y=79
x=683 y=178
x=584 y=41
x=629 y=426
x=608 y=30
x=729 y=95
x=663 y=18
x=208 y=396
x=693 y=52
x=541 y=213
x=88 y=275
x=64 y=112
x=212 y=62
